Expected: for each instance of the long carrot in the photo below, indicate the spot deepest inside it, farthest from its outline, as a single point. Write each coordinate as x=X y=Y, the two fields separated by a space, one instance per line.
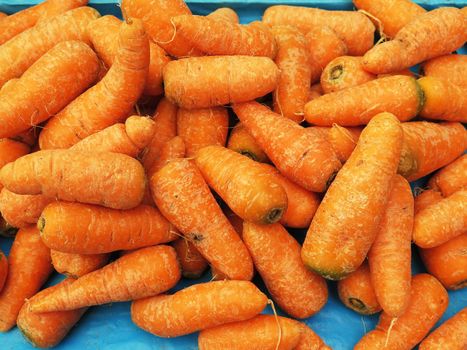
x=3 y=269
x=224 y=13
x=429 y=35
x=77 y=265
x=304 y=158
x=242 y=142
x=184 y=198
x=347 y=221
x=29 y=267
x=198 y=307
x=87 y=229
x=343 y=140
x=192 y=262
x=172 y=149
x=203 y=82
x=452 y=68
x=108 y=102
x=451 y=178
x=309 y=340
x=425 y=199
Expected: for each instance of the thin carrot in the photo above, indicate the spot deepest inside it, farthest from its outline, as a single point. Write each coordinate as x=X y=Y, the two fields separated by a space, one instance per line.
x=304 y=158
x=347 y=221
x=224 y=13
x=242 y=142
x=77 y=265
x=309 y=340
x=3 y=269
x=198 y=307
x=425 y=199
x=87 y=229
x=29 y=267
x=203 y=82
x=172 y=149
x=192 y=262
x=451 y=178
x=452 y=68
x=315 y=91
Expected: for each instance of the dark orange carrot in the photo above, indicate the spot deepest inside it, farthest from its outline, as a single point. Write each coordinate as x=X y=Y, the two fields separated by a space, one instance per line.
x=242 y=142
x=452 y=68
x=172 y=149
x=192 y=262
x=309 y=340
x=28 y=137
x=426 y=198
x=77 y=265
x=224 y=13
x=3 y=269
x=451 y=178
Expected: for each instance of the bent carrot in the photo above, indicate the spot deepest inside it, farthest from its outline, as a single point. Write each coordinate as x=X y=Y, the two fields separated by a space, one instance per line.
x=242 y=142
x=3 y=269
x=452 y=68
x=347 y=221
x=198 y=307
x=172 y=149
x=224 y=13
x=451 y=178
x=77 y=265
x=192 y=262
x=304 y=158
x=425 y=199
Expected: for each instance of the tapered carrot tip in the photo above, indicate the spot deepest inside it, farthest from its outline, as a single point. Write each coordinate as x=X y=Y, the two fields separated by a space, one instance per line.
x=140 y=130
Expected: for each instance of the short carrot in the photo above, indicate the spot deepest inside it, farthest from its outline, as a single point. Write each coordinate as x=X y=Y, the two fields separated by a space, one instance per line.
x=77 y=265
x=343 y=140
x=304 y=158
x=3 y=269
x=452 y=68
x=451 y=178
x=242 y=142
x=347 y=221
x=198 y=307
x=192 y=262
x=426 y=198
x=309 y=340
x=224 y=13
x=172 y=149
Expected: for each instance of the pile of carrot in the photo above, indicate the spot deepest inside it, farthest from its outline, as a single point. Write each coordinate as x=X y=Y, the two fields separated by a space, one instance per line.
x=137 y=152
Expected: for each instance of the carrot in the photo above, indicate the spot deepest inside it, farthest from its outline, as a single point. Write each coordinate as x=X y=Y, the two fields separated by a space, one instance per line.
x=198 y=307
x=347 y=221
x=399 y=95
x=46 y=330
x=184 y=198
x=11 y=150
x=112 y=180
x=35 y=97
x=242 y=142
x=452 y=334
x=293 y=60
x=276 y=255
x=172 y=149
x=443 y=100
x=203 y=82
x=192 y=262
x=29 y=267
x=406 y=72
x=3 y=15
x=28 y=137
x=87 y=229
x=19 y=53
x=425 y=199
x=265 y=332
x=428 y=301
x=344 y=72
x=309 y=340
x=452 y=68
x=442 y=221
x=224 y=13
x=354 y=29
x=77 y=265
x=390 y=16
x=202 y=127
x=251 y=192
x=390 y=255
x=315 y=91
x=429 y=146
x=143 y=273
x=103 y=34
x=451 y=178
x=429 y=35
x=304 y=158
x=343 y=140
x=3 y=269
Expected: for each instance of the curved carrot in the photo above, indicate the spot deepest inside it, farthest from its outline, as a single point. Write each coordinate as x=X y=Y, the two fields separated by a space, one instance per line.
x=88 y=229
x=242 y=142
x=198 y=307
x=304 y=158
x=77 y=265
x=425 y=199
x=347 y=221
x=172 y=149
x=3 y=269
x=452 y=68
x=192 y=262
x=309 y=340
x=452 y=334
x=451 y=178
x=224 y=13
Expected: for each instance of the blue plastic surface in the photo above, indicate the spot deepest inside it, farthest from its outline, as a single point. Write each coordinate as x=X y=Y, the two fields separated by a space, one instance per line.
x=110 y=326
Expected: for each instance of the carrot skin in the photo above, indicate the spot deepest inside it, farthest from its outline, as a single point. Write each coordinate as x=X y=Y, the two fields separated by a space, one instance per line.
x=452 y=68
x=3 y=269
x=172 y=149
x=10 y=150
x=451 y=178
x=77 y=265
x=425 y=199
x=310 y=340
x=242 y=142
x=224 y=13
x=192 y=262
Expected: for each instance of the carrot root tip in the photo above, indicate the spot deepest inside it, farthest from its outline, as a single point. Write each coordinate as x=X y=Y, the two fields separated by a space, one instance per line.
x=357 y=304
x=336 y=72
x=249 y=155
x=41 y=224
x=459 y=285
x=274 y=215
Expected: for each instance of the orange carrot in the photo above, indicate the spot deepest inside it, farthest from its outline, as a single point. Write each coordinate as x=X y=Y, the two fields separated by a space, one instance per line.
x=242 y=142
x=452 y=68
x=451 y=178
x=172 y=149
x=77 y=265
x=354 y=28
x=29 y=267
x=406 y=72
x=202 y=127
x=304 y=158
x=309 y=340
x=343 y=140
x=184 y=198
x=203 y=82
x=428 y=301
x=192 y=262
x=224 y=13
x=399 y=95
x=429 y=35
x=425 y=199
x=11 y=150
x=3 y=269
x=28 y=137
x=347 y=221
x=143 y=273
x=357 y=292
x=315 y=91
x=46 y=330
x=3 y=15
x=198 y=307
x=87 y=229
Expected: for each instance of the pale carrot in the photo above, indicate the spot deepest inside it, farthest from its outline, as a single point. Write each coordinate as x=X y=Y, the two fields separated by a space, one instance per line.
x=172 y=149
x=452 y=68
x=192 y=262
x=426 y=198
x=451 y=178
x=242 y=142
x=77 y=265
x=3 y=269
x=224 y=13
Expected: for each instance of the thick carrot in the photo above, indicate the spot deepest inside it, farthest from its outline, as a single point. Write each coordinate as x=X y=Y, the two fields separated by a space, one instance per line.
x=192 y=262
x=202 y=127
x=304 y=158
x=87 y=229
x=19 y=53
x=29 y=267
x=430 y=146
x=110 y=100
x=198 y=307
x=242 y=142
x=265 y=332
x=451 y=178
x=343 y=140
x=172 y=149
x=293 y=60
x=429 y=35
x=36 y=96
x=77 y=265
x=140 y=274
x=3 y=269
x=203 y=82
x=315 y=91
x=390 y=255
x=276 y=255
x=428 y=301
x=109 y=179
x=452 y=68
x=224 y=13
x=443 y=100
x=11 y=150
x=344 y=72
x=425 y=199
x=309 y=340
x=184 y=198
x=347 y=221
x=354 y=28
x=48 y=329
x=357 y=293
x=103 y=34
x=442 y=221
x=251 y=192
x=399 y=95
